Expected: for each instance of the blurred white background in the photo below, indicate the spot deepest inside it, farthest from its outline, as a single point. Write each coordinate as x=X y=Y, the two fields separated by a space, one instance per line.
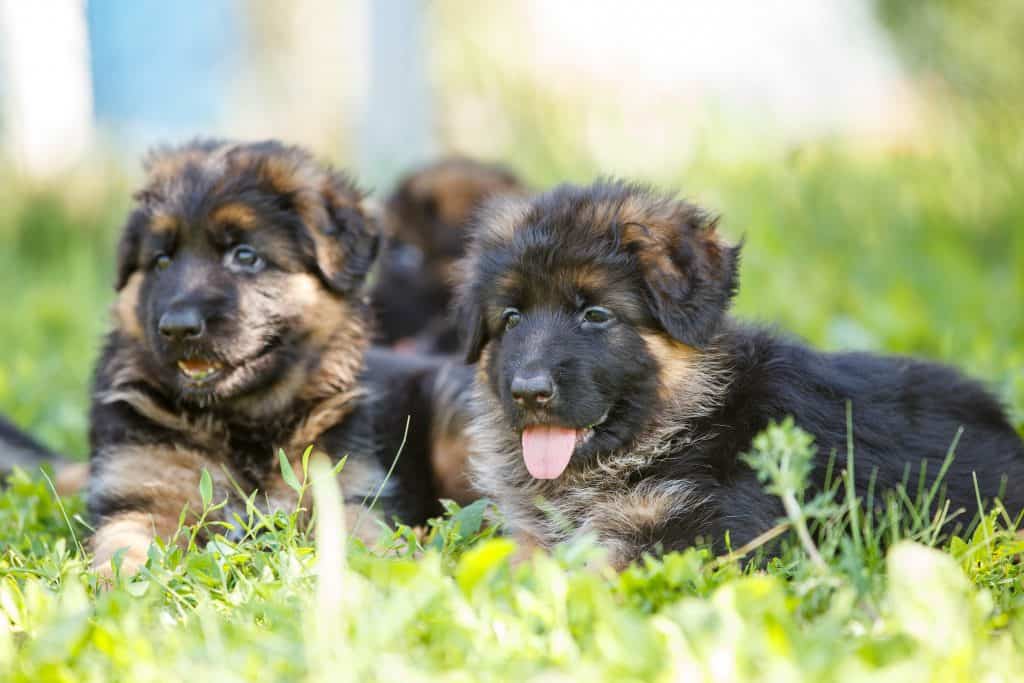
x=385 y=84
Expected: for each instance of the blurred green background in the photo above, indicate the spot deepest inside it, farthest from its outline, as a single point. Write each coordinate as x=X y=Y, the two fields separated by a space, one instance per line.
x=905 y=235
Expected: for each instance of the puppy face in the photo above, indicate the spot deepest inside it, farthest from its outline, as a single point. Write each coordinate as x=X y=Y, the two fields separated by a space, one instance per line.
x=588 y=310
x=238 y=266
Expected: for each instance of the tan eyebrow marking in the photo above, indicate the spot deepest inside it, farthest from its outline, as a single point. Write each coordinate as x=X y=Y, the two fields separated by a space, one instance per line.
x=163 y=223
x=235 y=213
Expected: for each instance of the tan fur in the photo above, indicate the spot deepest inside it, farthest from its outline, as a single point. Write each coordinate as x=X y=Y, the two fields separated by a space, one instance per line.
x=448 y=459
x=131 y=531
x=163 y=224
x=457 y=190
x=71 y=478
x=340 y=364
x=167 y=477
x=450 y=448
x=592 y=280
x=329 y=412
x=654 y=228
x=125 y=314
x=235 y=214
x=637 y=512
x=508 y=281
x=456 y=187
x=678 y=365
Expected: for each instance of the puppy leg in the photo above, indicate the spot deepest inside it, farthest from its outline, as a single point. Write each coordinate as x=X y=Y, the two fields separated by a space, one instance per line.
x=132 y=531
x=138 y=492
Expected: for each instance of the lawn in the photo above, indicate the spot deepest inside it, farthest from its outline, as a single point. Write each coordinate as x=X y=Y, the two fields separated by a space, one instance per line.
x=915 y=251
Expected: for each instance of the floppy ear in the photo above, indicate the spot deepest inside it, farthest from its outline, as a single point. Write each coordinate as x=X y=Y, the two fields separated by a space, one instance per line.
x=469 y=314
x=344 y=239
x=339 y=237
x=689 y=272
x=128 y=248
x=348 y=247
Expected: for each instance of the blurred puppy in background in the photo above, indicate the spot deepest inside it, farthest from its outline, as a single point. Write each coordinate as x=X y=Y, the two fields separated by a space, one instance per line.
x=427 y=221
x=18 y=449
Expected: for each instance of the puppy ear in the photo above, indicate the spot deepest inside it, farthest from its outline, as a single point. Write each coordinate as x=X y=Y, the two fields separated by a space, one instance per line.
x=340 y=238
x=689 y=272
x=346 y=243
x=469 y=314
x=128 y=248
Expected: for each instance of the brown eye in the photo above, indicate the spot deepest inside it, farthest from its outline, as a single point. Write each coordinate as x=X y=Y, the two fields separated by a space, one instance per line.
x=162 y=262
x=597 y=316
x=511 y=318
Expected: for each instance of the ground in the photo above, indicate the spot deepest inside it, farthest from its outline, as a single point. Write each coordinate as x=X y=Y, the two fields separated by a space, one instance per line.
x=897 y=251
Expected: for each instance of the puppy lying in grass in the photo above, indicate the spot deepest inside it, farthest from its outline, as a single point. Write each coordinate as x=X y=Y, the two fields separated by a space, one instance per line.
x=616 y=396
x=240 y=328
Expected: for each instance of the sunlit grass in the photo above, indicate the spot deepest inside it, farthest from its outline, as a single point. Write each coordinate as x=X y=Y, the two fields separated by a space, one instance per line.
x=909 y=252
x=281 y=605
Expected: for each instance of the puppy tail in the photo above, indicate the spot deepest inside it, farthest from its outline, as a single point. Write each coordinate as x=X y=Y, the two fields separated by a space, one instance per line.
x=18 y=449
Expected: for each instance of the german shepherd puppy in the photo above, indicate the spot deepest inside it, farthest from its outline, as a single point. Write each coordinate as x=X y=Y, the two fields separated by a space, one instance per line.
x=18 y=449
x=239 y=329
x=612 y=384
x=427 y=219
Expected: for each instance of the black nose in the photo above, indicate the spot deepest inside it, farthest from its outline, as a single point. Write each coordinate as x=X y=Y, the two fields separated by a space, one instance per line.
x=179 y=324
x=533 y=390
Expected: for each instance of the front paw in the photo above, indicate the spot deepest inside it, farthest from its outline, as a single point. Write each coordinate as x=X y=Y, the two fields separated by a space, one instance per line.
x=131 y=562
x=127 y=538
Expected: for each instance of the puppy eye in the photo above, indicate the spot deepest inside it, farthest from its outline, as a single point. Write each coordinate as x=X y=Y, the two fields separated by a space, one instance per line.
x=244 y=258
x=597 y=316
x=511 y=318
x=161 y=261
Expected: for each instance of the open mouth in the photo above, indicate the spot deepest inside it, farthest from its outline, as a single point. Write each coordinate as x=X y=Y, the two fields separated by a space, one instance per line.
x=547 y=449
x=203 y=373
x=198 y=371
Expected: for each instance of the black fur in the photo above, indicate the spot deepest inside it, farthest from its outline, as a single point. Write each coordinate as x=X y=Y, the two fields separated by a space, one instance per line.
x=18 y=449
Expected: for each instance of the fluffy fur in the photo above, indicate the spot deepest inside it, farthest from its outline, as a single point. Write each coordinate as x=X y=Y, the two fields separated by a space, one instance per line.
x=619 y=295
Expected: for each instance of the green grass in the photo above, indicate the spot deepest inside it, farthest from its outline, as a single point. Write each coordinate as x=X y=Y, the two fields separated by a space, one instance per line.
x=912 y=252
x=879 y=603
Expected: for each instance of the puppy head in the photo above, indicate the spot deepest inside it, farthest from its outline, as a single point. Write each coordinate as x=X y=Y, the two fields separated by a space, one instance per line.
x=587 y=309
x=430 y=210
x=238 y=266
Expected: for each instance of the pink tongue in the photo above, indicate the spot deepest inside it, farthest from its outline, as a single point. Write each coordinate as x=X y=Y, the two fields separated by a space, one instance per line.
x=547 y=450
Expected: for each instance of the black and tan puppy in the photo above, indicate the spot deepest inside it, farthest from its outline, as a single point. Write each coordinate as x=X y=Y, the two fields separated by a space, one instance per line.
x=240 y=329
x=613 y=385
x=427 y=219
